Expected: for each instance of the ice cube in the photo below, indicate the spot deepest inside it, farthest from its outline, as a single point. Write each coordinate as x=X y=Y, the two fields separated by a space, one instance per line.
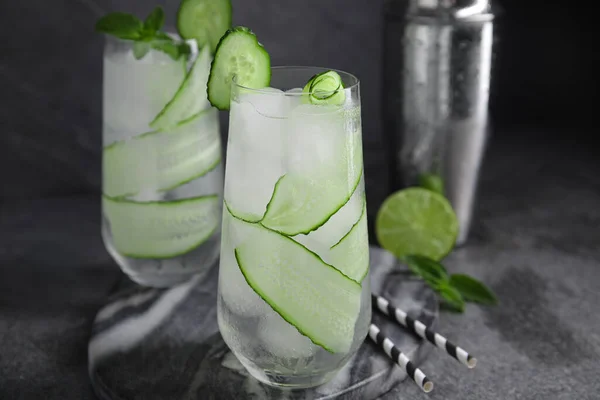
x=136 y=90
x=340 y=223
x=316 y=137
x=295 y=97
x=255 y=159
x=282 y=339
x=268 y=102
x=237 y=295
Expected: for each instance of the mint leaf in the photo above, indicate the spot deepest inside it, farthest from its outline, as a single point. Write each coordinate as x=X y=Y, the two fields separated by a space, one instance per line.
x=184 y=48
x=472 y=290
x=428 y=269
x=155 y=20
x=140 y=49
x=121 y=25
x=167 y=46
x=432 y=182
x=147 y=35
x=453 y=300
x=162 y=35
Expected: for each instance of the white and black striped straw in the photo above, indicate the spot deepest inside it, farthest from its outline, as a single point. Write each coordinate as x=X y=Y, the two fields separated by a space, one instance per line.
x=399 y=358
x=419 y=329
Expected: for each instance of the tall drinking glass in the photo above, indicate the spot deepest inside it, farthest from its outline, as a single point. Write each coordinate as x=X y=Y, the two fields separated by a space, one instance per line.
x=294 y=294
x=161 y=168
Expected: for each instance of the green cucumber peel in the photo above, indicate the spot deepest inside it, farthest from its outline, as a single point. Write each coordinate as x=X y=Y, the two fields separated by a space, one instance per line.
x=320 y=334
x=363 y=211
x=185 y=103
x=269 y=221
x=161 y=229
x=350 y=255
x=129 y=166
x=238 y=55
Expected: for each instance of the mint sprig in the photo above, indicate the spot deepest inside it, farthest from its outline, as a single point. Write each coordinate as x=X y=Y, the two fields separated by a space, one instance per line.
x=155 y=20
x=146 y=34
x=430 y=270
x=454 y=289
x=453 y=300
x=121 y=25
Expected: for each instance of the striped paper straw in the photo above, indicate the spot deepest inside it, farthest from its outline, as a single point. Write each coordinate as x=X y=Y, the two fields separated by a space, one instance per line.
x=399 y=358
x=419 y=328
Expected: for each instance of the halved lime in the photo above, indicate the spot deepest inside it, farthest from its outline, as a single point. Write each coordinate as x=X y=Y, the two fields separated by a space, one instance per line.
x=416 y=221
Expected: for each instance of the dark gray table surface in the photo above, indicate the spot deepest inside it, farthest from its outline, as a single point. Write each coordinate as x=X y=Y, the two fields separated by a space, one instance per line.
x=535 y=240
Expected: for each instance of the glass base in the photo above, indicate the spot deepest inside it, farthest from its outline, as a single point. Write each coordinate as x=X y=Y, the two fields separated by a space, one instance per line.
x=159 y=279
x=278 y=379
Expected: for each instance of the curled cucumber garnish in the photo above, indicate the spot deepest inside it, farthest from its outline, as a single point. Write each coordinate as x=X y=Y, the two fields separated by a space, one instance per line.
x=325 y=88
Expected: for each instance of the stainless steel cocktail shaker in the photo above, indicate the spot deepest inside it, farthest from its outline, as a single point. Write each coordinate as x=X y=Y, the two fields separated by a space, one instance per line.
x=437 y=63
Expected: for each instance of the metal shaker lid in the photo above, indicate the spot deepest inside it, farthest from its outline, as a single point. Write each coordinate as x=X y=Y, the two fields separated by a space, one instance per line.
x=452 y=9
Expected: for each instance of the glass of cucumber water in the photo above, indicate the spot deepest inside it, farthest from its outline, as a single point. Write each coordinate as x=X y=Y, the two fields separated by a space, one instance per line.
x=162 y=176
x=294 y=292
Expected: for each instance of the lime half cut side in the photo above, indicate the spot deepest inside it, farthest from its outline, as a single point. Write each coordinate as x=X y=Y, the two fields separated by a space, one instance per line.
x=416 y=221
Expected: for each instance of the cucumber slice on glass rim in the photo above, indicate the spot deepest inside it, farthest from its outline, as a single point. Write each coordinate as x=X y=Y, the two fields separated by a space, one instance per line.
x=239 y=55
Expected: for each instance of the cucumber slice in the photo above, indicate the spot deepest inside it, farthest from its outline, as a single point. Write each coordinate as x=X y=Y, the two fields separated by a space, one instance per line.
x=313 y=296
x=337 y=227
x=324 y=167
x=300 y=205
x=234 y=290
x=321 y=240
x=351 y=254
x=238 y=54
x=204 y=20
x=159 y=161
x=161 y=229
x=189 y=99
